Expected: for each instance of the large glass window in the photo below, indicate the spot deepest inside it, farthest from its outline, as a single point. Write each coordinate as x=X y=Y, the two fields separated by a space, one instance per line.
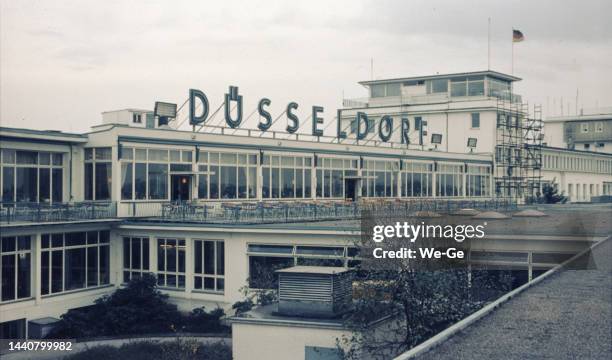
x=74 y=260
x=417 y=179
x=380 y=178
x=15 y=260
x=498 y=88
x=31 y=176
x=478 y=180
x=171 y=263
x=331 y=174
x=209 y=265
x=98 y=173
x=437 y=86
x=135 y=257
x=145 y=173
x=227 y=175
x=286 y=176
x=264 y=259
x=449 y=180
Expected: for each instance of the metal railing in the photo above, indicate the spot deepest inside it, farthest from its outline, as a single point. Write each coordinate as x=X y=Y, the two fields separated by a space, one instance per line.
x=296 y=211
x=41 y=212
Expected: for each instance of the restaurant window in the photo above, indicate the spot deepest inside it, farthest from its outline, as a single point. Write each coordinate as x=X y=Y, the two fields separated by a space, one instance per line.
x=98 y=173
x=135 y=257
x=209 y=265
x=380 y=177
x=145 y=173
x=331 y=174
x=171 y=263
x=416 y=179
x=31 y=176
x=15 y=267
x=286 y=176
x=478 y=180
x=449 y=180
x=227 y=175
x=74 y=260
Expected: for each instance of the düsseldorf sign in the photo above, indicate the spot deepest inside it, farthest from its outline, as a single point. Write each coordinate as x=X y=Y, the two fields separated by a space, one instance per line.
x=385 y=126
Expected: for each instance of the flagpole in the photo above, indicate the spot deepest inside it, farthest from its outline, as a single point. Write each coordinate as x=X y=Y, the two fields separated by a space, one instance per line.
x=512 y=61
x=489 y=45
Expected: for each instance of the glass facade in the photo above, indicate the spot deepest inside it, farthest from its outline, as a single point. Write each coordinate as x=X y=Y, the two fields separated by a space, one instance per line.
x=171 y=263
x=449 y=180
x=331 y=174
x=145 y=173
x=74 y=260
x=224 y=175
x=417 y=179
x=264 y=259
x=98 y=175
x=135 y=257
x=32 y=176
x=15 y=260
x=478 y=180
x=381 y=178
x=467 y=86
x=286 y=177
x=209 y=265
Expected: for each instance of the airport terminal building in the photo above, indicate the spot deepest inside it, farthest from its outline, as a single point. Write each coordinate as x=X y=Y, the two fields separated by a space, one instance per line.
x=209 y=209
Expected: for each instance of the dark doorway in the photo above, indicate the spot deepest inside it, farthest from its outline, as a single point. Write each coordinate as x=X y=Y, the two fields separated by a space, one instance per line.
x=350 y=189
x=181 y=187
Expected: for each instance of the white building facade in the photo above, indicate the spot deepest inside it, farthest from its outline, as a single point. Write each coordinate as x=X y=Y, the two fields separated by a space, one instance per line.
x=84 y=213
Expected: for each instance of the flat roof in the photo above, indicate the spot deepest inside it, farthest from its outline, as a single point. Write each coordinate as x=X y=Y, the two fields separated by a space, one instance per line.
x=48 y=135
x=442 y=76
x=570 y=118
x=128 y=109
x=576 y=151
x=566 y=316
x=325 y=270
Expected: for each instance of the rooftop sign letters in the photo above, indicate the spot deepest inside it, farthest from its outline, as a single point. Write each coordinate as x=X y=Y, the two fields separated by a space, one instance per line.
x=233 y=99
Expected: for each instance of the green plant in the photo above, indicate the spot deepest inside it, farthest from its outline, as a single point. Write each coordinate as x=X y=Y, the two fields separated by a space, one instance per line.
x=139 y=308
x=550 y=194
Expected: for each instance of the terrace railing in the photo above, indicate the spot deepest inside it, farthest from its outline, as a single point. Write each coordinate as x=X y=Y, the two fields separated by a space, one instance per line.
x=296 y=211
x=59 y=212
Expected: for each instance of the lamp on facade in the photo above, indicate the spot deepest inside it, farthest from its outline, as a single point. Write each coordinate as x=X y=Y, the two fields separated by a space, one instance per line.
x=471 y=143
x=165 y=112
x=436 y=139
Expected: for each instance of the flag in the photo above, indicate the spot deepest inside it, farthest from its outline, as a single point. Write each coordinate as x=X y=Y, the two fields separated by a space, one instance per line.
x=517 y=36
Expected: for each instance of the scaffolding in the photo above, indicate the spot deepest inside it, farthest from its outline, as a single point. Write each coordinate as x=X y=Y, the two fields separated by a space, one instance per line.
x=518 y=151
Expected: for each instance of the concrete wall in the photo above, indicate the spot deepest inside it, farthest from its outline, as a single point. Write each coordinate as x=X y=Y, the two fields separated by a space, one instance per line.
x=279 y=342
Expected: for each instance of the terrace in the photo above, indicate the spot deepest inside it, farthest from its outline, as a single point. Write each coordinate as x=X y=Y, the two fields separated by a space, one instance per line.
x=309 y=211
x=23 y=212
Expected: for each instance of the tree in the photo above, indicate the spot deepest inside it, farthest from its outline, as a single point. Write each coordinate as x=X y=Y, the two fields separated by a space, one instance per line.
x=138 y=308
x=550 y=194
x=402 y=302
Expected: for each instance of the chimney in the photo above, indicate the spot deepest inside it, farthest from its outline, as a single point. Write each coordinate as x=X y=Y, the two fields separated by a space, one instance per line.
x=315 y=291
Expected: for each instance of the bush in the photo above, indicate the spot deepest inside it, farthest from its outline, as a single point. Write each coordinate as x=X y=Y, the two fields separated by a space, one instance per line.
x=147 y=350
x=241 y=307
x=199 y=320
x=139 y=308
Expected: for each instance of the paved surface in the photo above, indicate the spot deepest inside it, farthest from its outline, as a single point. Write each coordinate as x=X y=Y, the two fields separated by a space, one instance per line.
x=567 y=316
x=77 y=347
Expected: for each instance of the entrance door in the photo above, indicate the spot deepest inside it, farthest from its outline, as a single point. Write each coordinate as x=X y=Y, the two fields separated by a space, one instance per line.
x=350 y=189
x=181 y=187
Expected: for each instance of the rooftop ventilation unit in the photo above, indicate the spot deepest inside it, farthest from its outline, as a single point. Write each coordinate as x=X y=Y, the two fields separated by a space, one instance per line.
x=314 y=291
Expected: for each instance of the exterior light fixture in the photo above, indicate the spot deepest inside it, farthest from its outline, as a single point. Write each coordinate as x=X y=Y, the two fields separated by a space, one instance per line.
x=436 y=139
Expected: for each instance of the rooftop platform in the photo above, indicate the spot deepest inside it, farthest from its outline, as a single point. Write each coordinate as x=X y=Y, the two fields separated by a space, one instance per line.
x=566 y=316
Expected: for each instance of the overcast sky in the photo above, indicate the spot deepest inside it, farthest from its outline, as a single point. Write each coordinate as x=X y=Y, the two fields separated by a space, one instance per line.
x=64 y=62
